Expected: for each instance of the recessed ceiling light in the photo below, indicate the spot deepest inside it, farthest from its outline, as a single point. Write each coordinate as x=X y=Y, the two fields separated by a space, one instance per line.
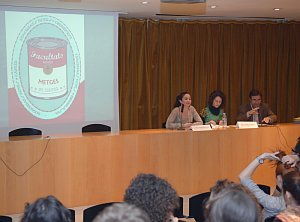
x=276 y=9
x=144 y=2
x=213 y=6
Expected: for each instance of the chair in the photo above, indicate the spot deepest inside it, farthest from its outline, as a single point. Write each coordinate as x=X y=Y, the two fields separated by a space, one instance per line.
x=203 y=119
x=72 y=215
x=25 y=132
x=90 y=213
x=197 y=206
x=163 y=125
x=178 y=212
x=5 y=219
x=270 y=219
x=265 y=188
x=96 y=128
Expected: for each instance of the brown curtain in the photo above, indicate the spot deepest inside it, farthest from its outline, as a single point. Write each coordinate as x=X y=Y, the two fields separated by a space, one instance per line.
x=159 y=59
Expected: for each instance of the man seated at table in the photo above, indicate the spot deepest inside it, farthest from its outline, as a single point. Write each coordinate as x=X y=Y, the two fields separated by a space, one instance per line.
x=255 y=110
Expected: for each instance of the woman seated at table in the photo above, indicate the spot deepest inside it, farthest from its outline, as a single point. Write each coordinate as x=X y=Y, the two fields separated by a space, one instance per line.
x=213 y=113
x=183 y=115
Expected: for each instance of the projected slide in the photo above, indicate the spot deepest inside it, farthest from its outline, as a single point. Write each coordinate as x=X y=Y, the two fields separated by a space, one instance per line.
x=45 y=61
x=58 y=69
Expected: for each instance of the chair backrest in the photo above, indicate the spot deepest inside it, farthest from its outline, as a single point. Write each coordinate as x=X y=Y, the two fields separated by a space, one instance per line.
x=196 y=206
x=25 y=132
x=90 y=213
x=265 y=188
x=5 y=219
x=178 y=212
x=203 y=119
x=72 y=215
x=270 y=219
x=96 y=128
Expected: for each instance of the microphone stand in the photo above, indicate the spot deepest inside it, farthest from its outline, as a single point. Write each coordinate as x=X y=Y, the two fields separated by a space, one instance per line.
x=180 y=115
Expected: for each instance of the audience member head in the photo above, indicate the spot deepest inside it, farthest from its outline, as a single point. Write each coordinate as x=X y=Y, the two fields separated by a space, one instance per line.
x=122 y=212
x=221 y=185
x=216 y=99
x=183 y=98
x=154 y=195
x=227 y=198
x=255 y=98
x=46 y=209
x=232 y=206
x=225 y=184
x=291 y=188
x=282 y=169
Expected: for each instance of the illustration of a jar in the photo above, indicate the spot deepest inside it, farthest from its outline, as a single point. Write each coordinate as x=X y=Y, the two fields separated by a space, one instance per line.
x=47 y=67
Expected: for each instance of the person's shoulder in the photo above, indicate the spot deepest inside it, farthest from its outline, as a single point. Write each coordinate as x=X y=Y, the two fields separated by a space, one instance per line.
x=175 y=110
x=245 y=106
x=192 y=108
x=264 y=104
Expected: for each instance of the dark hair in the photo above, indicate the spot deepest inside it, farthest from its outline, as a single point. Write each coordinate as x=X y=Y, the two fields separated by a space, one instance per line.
x=232 y=206
x=215 y=94
x=122 y=212
x=224 y=184
x=46 y=209
x=254 y=92
x=297 y=147
x=178 y=98
x=282 y=168
x=152 y=194
x=291 y=183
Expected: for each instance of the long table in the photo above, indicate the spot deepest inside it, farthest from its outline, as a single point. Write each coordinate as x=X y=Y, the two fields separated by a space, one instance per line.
x=94 y=168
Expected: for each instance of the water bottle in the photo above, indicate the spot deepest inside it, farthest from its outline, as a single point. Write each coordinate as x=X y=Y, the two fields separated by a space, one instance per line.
x=255 y=118
x=224 y=119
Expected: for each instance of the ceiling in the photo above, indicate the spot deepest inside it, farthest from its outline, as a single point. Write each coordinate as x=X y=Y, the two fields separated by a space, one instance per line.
x=226 y=9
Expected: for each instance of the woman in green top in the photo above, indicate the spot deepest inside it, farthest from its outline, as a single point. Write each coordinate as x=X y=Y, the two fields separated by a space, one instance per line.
x=213 y=113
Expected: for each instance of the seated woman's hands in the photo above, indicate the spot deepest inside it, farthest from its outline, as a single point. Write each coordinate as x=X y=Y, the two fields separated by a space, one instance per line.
x=211 y=122
x=187 y=125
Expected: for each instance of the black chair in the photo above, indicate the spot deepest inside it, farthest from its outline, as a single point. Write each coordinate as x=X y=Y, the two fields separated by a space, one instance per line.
x=25 y=132
x=265 y=188
x=203 y=119
x=96 y=128
x=90 y=213
x=270 y=219
x=197 y=206
x=72 y=215
x=163 y=125
x=178 y=212
x=5 y=219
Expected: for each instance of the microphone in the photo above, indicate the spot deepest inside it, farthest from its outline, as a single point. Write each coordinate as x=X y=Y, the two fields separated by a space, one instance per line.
x=255 y=116
x=258 y=116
